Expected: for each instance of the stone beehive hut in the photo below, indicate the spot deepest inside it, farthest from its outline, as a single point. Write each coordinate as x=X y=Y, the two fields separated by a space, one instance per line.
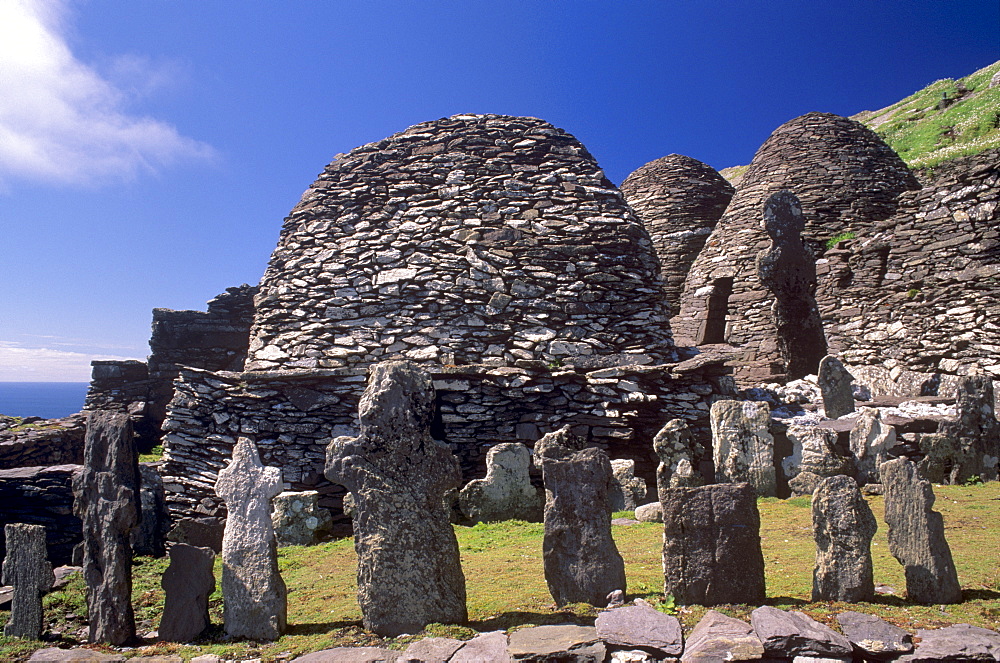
x=846 y=178
x=679 y=200
x=471 y=239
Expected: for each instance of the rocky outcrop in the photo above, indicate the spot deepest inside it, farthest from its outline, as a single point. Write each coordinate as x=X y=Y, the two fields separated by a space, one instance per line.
x=44 y=442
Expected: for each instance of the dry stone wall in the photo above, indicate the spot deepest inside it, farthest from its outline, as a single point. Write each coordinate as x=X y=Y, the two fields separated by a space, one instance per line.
x=679 y=200
x=470 y=239
x=914 y=298
x=846 y=179
x=292 y=415
x=42 y=496
x=50 y=442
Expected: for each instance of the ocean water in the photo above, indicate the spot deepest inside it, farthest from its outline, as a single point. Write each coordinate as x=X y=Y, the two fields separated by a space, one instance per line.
x=48 y=400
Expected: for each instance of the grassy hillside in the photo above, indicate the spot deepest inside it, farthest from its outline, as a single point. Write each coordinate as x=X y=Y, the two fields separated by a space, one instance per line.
x=506 y=583
x=947 y=119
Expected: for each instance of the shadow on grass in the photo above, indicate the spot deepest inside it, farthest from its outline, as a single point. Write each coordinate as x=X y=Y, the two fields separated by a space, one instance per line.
x=778 y=601
x=980 y=595
x=319 y=627
x=507 y=620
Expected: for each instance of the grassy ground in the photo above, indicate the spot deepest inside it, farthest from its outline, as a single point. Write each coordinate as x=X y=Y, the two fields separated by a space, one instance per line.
x=506 y=585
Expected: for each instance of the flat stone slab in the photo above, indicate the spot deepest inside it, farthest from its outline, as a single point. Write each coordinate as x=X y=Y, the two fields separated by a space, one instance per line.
x=873 y=636
x=791 y=634
x=718 y=637
x=431 y=650
x=960 y=642
x=649 y=513
x=56 y=654
x=350 y=655
x=640 y=626
x=484 y=648
x=567 y=643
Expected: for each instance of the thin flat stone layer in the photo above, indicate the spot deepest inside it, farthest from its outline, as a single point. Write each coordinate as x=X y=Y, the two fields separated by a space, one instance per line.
x=843 y=526
x=916 y=535
x=409 y=569
x=561 y=642
x=640 y=626
x=960 y=642
x=711 y=545
x=431 y=649
x=254 y=595
x=484 y=648
x=106 y=499
x=27 y=569
x=874 y=637
x=350 y=655
x=581 y=561
x=790 y=634
x=718 y=637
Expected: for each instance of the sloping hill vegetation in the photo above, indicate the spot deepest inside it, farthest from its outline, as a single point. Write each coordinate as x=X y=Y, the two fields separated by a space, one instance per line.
x=946 y=120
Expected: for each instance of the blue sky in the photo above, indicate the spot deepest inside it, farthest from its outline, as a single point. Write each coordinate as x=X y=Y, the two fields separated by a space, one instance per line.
x=149 y=149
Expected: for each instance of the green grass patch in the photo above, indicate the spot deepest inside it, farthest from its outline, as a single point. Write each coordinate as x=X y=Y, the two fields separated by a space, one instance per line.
x=155 y=454
x=842 y=237
x=506 y=584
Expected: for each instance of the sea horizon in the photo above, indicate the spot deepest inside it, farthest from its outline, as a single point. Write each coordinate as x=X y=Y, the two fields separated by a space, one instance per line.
x=49 y=400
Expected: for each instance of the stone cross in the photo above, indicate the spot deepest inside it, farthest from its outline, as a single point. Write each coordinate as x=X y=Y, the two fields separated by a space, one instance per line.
x=409 y=569
x=188 y=583
x=254 y=596
x=788 y=270
x=743 y=447
x=916 y=535
x=106 y=499
x=711 y=545
x=843 y=526
x=28 y=570
x=506 y=492
x=581 y=561
x=674 y=445
x=836 y=384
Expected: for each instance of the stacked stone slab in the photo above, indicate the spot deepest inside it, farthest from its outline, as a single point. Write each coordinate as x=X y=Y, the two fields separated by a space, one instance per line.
x=845 y=177
x=907 y=302
x=53 y=442
x=467 y=239
x=26 y=568
x=679 y=200
x=409 y=570
x=581 y=561
x=43 y=496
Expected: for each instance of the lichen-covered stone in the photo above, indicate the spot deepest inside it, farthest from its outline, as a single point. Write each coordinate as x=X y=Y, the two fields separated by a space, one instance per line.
x=581 y=561
x=837 y=386
x=298 y=518
x=814 y=449
x=627 y=490
x=743 y=447
x=874 y=637
x=506 y=493
x=674 y=445
x=106 y=500
x=711 y=545
x=916 y=535
x=409 y=570
x=871 y=440
x=255 y=603
x=788 y=270
x=843 y=526
x=792 y=634
x=976 y=431
x=27 y=569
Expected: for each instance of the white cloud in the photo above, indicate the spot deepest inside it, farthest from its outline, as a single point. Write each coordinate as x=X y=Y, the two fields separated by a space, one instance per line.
x=22 y=364
x=60 y=121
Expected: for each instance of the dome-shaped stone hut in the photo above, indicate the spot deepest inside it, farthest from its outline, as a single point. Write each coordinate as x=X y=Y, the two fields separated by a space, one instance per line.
x=846 y=179
x=679 y=200
x=470 y=239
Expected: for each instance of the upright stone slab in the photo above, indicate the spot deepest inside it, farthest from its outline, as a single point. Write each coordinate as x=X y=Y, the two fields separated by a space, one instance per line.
x=582 y=563
x=836 y=384
x=506 y=493
x=871 y=440
x=627 y=490
x=149 y=537
x=843 y=526
x=187 y=583
x=976 y=430
x=674 y=445
x=711 y=545
x=788 y=270
x=743 y=447
x=409 y=571
x=916 y=535
x=106 y=499
x=814 y=449
x=27 y=569
x=254 y=596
